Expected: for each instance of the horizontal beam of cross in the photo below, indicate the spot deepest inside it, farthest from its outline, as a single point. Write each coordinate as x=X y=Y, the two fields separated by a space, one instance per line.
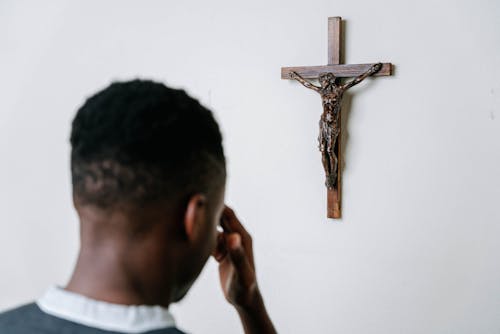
x=341 y=71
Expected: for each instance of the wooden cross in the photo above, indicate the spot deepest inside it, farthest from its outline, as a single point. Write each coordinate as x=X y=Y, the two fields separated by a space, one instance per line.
x=341 y=71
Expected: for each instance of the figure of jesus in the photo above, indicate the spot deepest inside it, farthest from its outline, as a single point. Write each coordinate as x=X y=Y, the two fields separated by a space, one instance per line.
x=329 y=125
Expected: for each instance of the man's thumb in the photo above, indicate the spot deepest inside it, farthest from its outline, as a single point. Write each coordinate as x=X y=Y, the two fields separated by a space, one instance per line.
x=237 y=253
x=240 y=261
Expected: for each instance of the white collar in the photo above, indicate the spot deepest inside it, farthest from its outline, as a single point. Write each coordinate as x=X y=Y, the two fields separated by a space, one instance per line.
x=106 y=316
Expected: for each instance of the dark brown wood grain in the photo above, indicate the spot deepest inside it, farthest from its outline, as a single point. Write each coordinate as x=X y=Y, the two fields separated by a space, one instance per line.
x=341 y=71
x=333 y=203
x=334 y=33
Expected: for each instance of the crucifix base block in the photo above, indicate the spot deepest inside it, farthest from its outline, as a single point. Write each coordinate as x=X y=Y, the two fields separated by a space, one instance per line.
x=333 y=203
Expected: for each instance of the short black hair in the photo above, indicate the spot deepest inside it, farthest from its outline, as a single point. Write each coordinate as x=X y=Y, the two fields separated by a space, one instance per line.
x=140 y=141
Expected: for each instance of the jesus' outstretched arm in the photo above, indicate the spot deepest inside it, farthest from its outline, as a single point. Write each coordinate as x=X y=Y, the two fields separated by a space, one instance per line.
x=296 y=76
x=374 y=69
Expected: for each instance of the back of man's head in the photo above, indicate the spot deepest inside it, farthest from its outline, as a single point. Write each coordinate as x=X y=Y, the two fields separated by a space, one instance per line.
x=137 y=142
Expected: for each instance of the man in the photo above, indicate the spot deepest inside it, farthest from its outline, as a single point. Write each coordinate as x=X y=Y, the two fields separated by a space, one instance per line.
x=148 y=173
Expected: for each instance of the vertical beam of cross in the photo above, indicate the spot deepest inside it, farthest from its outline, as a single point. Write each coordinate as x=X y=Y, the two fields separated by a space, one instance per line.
x=334 y=33
x=334 y=42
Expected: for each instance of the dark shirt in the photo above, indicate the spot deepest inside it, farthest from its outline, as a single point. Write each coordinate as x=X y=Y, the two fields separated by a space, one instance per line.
x=30 y=319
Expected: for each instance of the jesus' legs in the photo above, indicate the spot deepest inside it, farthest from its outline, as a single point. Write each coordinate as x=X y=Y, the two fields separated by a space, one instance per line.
x=331 y=179
x=332 y=158
x=325 y=159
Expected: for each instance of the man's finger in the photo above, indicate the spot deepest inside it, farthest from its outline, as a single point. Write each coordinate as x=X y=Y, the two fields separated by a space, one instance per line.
x=231 y=224
x=232 y=221
x=220 y=250
x=239 y=259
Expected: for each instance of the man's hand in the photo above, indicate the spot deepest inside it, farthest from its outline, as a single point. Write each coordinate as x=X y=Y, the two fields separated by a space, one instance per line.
x=234 y=252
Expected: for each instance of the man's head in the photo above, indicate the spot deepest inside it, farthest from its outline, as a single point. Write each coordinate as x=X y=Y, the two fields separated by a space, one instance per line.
x=148 y=174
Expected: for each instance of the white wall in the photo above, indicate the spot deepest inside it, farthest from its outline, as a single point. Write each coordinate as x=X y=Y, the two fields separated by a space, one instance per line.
x=417 y=250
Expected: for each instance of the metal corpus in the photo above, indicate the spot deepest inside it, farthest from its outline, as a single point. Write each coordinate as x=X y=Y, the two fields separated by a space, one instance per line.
x=331 y=92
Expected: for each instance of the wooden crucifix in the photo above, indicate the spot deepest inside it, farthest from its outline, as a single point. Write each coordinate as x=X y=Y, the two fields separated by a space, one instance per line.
x=331 y=91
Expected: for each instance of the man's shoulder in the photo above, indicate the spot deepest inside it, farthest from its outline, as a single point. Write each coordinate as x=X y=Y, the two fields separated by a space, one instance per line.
x=19 y=318
x=29 y=318
x=16 y=311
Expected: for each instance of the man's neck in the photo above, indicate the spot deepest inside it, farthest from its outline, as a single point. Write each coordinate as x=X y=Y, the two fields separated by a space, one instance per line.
x=107 y=275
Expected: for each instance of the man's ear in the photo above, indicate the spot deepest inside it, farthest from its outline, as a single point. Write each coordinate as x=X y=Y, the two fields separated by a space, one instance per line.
x=194 y=216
